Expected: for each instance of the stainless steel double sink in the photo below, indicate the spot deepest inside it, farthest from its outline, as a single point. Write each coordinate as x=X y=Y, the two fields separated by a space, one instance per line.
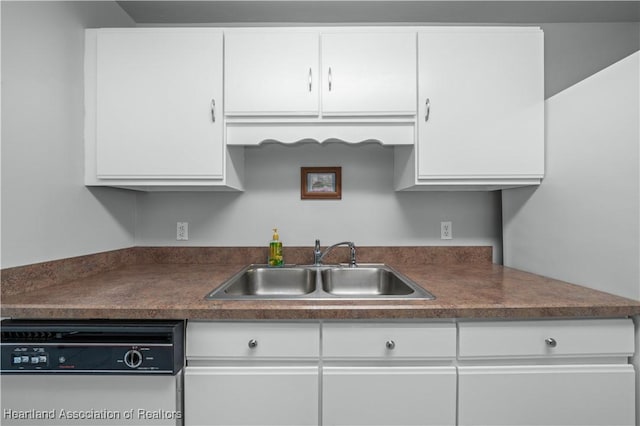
x=367 y=281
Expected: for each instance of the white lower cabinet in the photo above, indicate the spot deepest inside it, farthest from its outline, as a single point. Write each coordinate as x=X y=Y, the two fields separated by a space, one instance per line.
x=388 y=396
x=251 y=395
x=252 y=373
x=410 y=373
x=546 y=373
x=388 y=374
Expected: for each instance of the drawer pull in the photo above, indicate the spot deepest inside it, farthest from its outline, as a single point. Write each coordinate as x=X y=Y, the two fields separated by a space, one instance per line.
x=551 y=342
x=253 y=343
x=390 y=344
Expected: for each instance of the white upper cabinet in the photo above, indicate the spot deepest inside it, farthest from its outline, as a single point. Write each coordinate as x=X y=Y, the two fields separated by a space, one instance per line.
x=481 y=103
x=288 y=72
x=172 y=108
x=369 y=73
x=480 y=108
x=154 y=107
x=156 y=95
x=293 y=84
x=272 y=73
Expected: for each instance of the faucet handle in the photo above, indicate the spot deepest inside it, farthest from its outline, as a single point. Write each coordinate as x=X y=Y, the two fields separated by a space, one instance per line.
x=317 y=246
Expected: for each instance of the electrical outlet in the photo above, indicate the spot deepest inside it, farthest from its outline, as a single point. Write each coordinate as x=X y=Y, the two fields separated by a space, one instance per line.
x=182 y=231
x=446 y=232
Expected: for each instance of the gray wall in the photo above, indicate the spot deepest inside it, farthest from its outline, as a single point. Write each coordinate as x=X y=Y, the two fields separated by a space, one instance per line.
x=574 y=51
x=582 y=224
x=370 y=212
x=47 y=213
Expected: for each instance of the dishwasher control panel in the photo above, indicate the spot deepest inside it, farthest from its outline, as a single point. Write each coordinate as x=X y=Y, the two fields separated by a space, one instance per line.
x=149 y=347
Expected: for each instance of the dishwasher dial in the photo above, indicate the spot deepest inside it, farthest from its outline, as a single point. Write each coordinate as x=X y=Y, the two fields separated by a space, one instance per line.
x=133 y=358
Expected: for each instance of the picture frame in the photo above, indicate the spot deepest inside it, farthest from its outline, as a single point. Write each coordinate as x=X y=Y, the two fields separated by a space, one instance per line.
x=321 y=183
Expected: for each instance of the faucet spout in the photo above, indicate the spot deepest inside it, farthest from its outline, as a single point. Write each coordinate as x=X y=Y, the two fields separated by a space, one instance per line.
x=318 y=255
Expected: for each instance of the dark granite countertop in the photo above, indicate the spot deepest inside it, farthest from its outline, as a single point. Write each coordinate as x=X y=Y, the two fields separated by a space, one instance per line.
x=146 y=283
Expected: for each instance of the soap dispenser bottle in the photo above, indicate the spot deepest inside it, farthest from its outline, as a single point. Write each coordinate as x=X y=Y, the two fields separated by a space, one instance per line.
x=275 y=250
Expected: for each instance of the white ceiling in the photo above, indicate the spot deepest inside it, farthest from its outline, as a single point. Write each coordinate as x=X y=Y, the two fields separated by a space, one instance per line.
x=378 y=11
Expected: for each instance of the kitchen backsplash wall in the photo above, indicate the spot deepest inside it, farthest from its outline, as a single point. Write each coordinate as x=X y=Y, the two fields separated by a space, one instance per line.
x=370 y=212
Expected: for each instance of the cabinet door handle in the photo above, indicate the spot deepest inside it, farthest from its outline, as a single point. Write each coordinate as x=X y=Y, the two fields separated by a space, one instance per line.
x=390 y=344
x=310 y=80
x=427 y=105
x=253 y=343
x=551 y=342
x=330 y=79
x=213 y=110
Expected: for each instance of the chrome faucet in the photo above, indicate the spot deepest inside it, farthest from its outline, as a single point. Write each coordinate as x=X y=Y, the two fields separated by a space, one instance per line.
x=318 y=255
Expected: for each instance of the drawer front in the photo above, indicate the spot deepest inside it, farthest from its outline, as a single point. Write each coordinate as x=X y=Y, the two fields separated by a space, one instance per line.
x=389 y=341
x=543 y=339
x=215 y=340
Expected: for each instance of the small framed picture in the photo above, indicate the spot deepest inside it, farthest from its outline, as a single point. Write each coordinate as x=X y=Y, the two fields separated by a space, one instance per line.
x=321 y=183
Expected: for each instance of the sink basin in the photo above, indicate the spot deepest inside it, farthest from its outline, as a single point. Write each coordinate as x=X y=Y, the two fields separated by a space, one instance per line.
x=263 y=281
x=371 y=282
x=368 y=281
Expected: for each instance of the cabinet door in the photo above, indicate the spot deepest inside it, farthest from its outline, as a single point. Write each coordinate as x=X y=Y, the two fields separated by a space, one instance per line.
x=271 y=73
x=159 y=104
x=388 y=396
x=481 y=103
x=547 y=395
x=369 y=73
x=260 y=396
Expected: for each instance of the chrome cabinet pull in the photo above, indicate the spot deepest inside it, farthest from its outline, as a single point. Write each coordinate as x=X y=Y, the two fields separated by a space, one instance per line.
x=253 y=343
x=551 y=342
x=330 y=79
x=390 y=344
x=427 y=104
x=310 y=80
x=213 y=110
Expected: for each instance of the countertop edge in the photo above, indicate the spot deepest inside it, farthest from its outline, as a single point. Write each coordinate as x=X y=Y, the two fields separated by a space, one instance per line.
x=325 y=313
